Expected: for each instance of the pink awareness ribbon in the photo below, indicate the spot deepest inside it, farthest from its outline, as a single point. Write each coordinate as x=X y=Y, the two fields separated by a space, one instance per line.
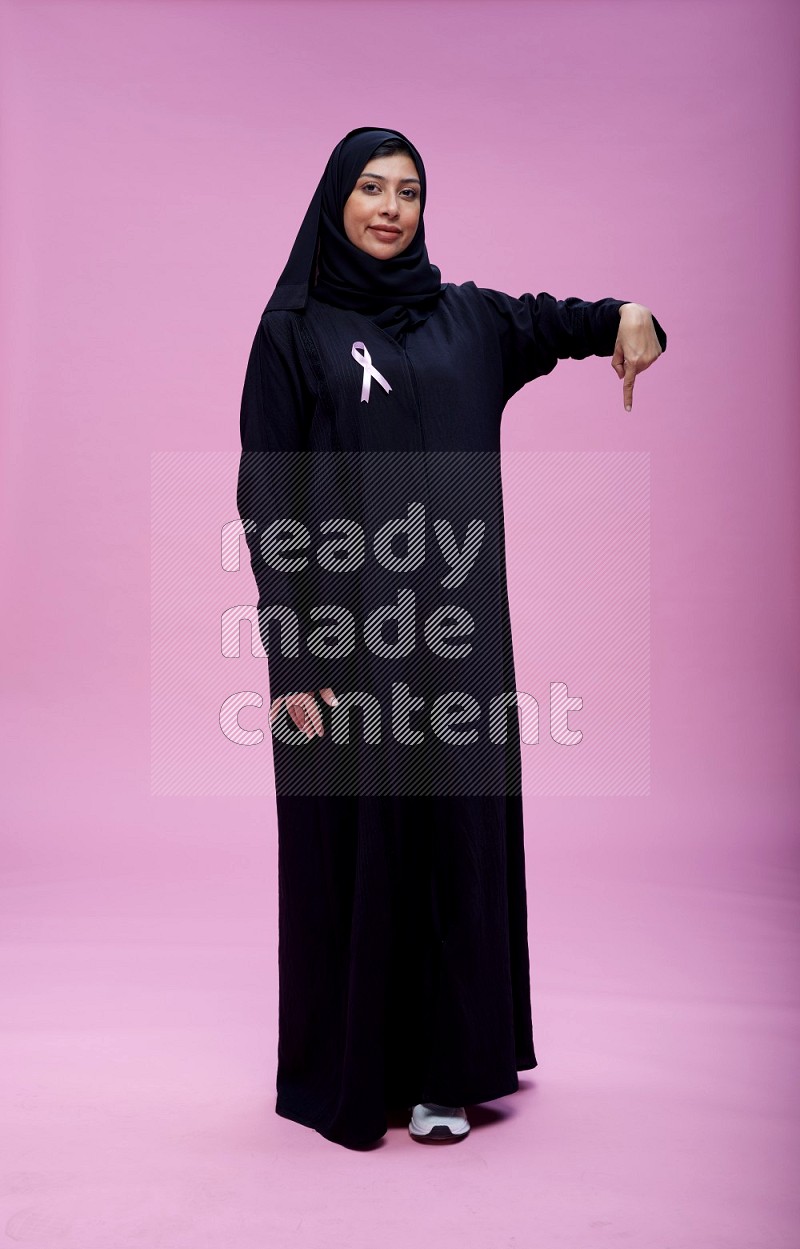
x=365 y=360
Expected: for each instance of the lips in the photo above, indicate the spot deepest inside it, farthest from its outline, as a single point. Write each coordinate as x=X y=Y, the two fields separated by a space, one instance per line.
x=385 y=230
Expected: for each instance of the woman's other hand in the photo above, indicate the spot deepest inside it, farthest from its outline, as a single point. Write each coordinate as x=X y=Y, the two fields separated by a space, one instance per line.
x=636 y=347
x=304 y=710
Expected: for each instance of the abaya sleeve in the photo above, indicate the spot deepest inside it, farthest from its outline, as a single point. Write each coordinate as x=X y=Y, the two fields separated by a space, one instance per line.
x=536 y=331
x=274 y=486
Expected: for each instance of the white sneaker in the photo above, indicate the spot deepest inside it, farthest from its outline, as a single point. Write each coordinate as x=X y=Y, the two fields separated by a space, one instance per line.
x=430 y=1122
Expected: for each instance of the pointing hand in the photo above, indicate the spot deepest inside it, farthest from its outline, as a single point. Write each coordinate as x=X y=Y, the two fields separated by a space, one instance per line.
x=636 y=348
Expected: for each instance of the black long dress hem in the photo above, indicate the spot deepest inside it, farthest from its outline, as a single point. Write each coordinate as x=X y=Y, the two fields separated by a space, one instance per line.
x=475 y=1096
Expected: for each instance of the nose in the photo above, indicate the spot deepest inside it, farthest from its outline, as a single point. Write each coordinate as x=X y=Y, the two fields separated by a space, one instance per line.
x=389 y=208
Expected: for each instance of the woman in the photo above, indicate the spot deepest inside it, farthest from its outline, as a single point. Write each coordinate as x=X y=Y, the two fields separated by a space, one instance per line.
x=404 y=974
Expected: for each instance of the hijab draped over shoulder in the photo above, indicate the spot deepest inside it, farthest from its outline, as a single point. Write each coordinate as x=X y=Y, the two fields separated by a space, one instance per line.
x=397 y=293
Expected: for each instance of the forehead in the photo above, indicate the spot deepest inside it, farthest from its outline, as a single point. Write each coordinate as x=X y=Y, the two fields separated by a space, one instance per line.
x=395 y=168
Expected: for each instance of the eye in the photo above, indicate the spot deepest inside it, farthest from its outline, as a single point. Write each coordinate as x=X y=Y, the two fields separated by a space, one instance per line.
x=409 y=192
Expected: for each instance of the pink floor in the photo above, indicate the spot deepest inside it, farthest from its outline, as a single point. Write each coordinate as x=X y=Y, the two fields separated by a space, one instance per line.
x=139 y=1046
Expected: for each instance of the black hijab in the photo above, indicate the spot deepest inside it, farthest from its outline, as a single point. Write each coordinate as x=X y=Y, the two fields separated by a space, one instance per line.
x=397 y=293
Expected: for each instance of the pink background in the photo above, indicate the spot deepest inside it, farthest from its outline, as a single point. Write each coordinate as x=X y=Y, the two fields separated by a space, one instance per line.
x=157 y=160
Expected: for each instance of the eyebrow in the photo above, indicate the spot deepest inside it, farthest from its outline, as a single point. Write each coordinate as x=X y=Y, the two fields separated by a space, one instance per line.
x=383 y=178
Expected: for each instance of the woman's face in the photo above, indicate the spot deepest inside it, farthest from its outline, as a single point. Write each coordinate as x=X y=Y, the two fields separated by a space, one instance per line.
x=382 y=214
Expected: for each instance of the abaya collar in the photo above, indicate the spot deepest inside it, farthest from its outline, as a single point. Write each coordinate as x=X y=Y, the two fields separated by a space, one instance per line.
x=397 y=293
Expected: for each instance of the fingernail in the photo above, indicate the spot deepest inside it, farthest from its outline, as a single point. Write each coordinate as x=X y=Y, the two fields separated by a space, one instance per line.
x=627 y=407
x=334 y=702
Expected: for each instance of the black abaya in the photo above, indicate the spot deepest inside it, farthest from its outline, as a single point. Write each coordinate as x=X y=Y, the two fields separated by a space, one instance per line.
x=403 y=940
